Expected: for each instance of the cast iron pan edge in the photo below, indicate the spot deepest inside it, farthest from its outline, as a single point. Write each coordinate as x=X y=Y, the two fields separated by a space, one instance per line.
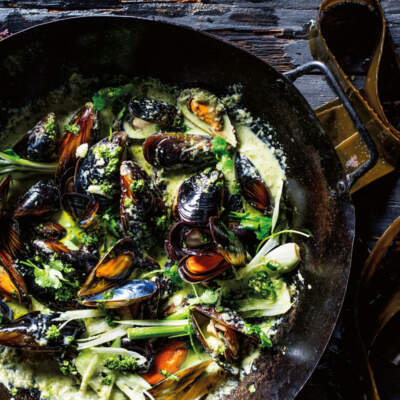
x=39 y=59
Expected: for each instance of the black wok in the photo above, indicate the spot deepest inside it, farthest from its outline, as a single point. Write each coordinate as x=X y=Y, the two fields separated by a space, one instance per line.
x=40 y=59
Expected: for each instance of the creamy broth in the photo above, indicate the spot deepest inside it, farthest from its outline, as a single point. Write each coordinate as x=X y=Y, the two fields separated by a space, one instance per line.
x=16 y=372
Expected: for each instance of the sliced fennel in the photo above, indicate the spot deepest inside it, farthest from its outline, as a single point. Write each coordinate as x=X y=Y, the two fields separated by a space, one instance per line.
x=134 y=387
x=100 y=339
x=284 y=258
x=80 y=314
x=255 y=307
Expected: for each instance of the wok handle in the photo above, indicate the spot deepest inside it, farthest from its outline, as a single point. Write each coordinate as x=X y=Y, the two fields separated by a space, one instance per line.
x=337 y=89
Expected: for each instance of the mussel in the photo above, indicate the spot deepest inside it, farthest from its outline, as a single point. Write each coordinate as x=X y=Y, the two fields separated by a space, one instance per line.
x=42 y=199
x=39 y=144
x=97 y=173
x=204 y=110
x=134 y=291
x=141 y=203
x=12 y=285
x=222 y=334
x=82 y=208
x=82 y=261
x=115 y=267
x=254 y=189
x=178 y=151
x=40 y=332
x=80 y=130
x=186 y=240
x=50 y=230
x=200 y=197
x=147 y=116
x=227 y=244
x=170 y=389
x=10 y=240
x=202 y=268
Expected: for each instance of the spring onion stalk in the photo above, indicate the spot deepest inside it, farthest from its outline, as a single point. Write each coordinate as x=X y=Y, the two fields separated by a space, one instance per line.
x=11 y=162
x=80 y=314
x=100 y=339
x=282 y=260
x=182 y=313
x=153 y=322
x=149 y=332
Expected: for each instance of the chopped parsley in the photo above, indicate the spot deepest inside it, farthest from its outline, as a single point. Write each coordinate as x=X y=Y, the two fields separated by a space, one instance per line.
x=67 y=368
x=107 y=96
x=53 y=332
x=168 y=375
x=108 y=295
x=107 y=379
x=137 y=186
x=255 y=330
x=173 y=275
x=262 y=286
x=50 y=127
x=72 y=128
x=260 y=225
x=120 y=363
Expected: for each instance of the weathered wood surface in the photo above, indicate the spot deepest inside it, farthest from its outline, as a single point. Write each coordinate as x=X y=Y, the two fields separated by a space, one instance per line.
x=276 y=31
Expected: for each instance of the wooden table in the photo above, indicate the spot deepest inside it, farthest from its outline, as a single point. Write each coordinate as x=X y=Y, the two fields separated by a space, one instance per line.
x=277 y=31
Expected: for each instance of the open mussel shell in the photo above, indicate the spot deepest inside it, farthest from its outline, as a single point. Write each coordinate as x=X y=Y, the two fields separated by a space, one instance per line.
x=134 y=291
x=50 y=230
x=40 y=200
x=115 y=267
x=97 y=174
x=86 y=121
x=253 y=188
x=170 y=389
x=30 y=333
x=205 y=111
x=227 y=244
x=222 y=334
x=39 y=144
x=82 y=208
x=202 y=268
x=173 y=151
x=12 y=285
x=186 y=240
x=200 y=197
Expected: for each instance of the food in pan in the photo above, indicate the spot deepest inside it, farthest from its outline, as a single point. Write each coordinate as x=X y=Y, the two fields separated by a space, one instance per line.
x=144 y=251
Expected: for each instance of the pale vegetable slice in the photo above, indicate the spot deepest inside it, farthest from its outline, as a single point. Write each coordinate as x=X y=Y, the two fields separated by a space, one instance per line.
x=254 y=307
